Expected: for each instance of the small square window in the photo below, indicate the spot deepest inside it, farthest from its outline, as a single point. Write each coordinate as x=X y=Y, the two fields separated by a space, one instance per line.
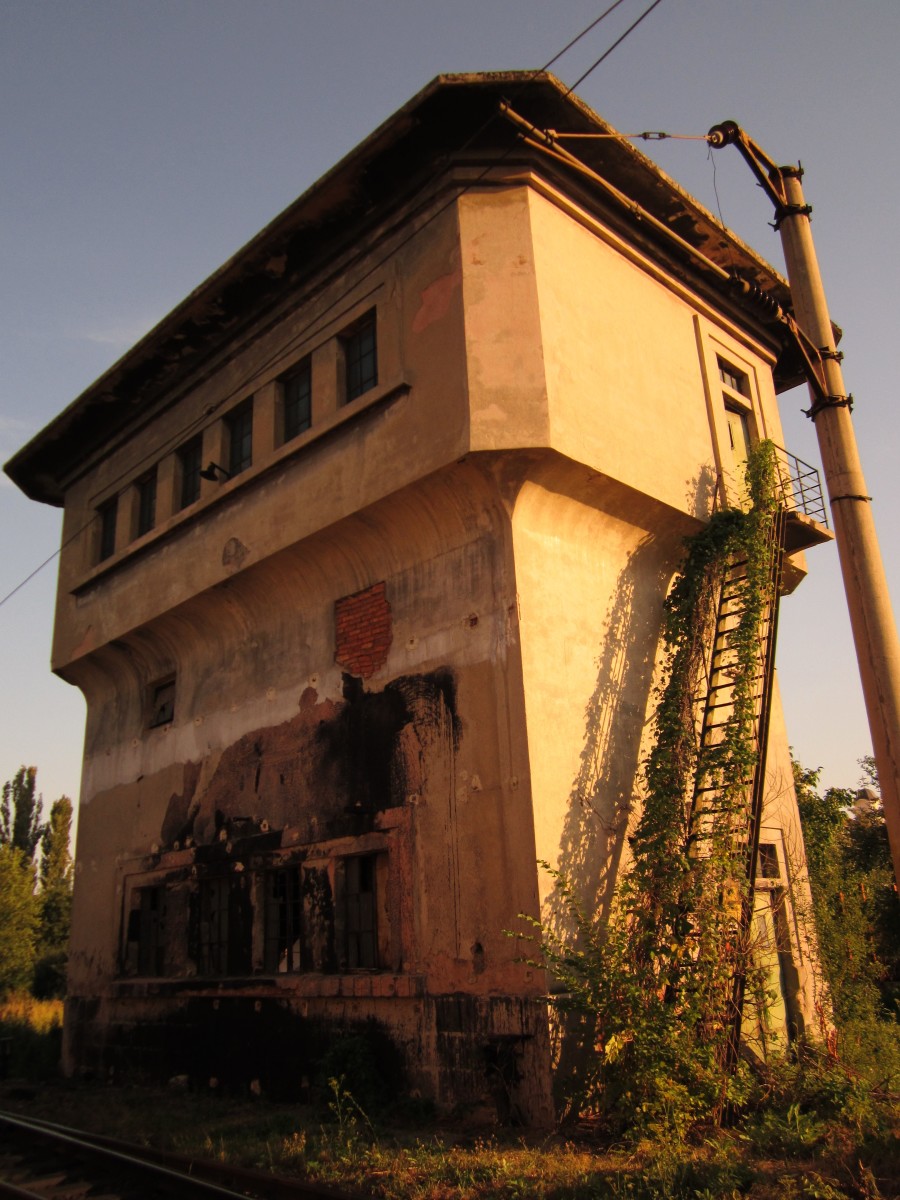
x=189 y=460
x=239 y=424
x=107 y=514
x=162 y=703
x=360 y=357
x=296 y=401
x=734 y=379
x=146 y=514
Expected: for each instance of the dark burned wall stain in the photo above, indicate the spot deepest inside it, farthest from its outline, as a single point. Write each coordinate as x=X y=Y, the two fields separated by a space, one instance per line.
x=178 y=822
x=320 y=770
x=232 y=1042
x=361 y=745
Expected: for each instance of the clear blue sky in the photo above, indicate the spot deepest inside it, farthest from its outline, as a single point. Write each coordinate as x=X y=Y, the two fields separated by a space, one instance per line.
x=143 y=143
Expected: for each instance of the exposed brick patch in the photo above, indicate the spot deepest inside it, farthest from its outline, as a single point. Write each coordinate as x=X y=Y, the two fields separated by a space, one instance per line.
x=363 y=630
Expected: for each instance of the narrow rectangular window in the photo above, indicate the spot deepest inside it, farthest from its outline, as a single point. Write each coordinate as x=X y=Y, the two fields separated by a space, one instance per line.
x=145 y=937
x=360 y=357
x=107 y=514
x=189 y=461
x=283 y=921
x=296 y=395
x=225 y=926
x=767 y=867
x=146 y=515
x=239 y=424
x=213 y=941
x=361 y=911
x=152 y=939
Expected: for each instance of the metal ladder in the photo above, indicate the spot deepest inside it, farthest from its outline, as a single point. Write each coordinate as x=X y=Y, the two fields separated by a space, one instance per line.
x=733 y=808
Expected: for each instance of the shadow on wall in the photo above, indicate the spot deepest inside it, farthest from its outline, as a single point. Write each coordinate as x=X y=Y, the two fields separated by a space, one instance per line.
x=607 y=785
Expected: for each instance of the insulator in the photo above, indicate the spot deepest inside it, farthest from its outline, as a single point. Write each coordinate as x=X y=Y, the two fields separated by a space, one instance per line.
x=754 y=295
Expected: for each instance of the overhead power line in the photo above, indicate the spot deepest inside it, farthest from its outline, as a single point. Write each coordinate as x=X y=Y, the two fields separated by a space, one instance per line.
x=618 y=42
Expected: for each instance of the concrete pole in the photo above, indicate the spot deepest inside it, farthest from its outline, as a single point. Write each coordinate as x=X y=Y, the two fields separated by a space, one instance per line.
x=871 y=615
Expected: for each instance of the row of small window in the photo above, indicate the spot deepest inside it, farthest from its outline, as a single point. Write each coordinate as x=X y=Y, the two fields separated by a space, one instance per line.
x=305 y=928
x=360 y=360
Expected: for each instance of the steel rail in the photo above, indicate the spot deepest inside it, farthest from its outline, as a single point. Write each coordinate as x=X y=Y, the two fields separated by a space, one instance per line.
x=200 y=1176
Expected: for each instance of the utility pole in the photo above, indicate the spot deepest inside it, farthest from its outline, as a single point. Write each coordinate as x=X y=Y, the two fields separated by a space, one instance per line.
x=871 y=615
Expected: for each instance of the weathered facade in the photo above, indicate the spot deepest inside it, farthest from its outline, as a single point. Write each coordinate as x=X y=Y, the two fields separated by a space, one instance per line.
x=365 y=547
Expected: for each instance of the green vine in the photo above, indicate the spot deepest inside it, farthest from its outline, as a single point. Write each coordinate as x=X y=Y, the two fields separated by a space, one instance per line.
x=653 y=982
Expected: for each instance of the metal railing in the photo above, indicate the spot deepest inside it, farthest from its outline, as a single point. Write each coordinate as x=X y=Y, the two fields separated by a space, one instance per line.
x=800 y=487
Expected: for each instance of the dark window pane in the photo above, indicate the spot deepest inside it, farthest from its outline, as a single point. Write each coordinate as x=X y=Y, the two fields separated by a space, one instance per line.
x=189 y=457
x=283 y=921
x=361 y=358
x=213 y=927
x=146 y=503
x=162 y=703
x=362 y=941
x=733 y=378
x=240 y=438
x=107 y=514
x=296 y=394
x=152 y=931
x=225 y=927
x=767 y=867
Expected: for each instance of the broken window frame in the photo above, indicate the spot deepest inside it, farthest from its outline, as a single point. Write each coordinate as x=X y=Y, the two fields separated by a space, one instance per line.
x=145 y=933
x=212 y=941
x=283 y=924
x=161 y=702
x=224 y=944
x=360 y=911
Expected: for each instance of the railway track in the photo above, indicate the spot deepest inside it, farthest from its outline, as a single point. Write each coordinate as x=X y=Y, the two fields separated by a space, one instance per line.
x=43 y=1161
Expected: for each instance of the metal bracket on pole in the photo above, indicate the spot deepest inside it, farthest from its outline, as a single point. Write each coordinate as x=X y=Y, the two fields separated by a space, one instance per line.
x=871 y=617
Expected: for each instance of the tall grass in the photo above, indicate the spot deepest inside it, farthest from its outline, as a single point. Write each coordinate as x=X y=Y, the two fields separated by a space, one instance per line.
x=31 y=1033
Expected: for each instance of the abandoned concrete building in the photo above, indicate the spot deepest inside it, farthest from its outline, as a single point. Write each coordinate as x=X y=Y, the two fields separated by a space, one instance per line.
x=364 y=554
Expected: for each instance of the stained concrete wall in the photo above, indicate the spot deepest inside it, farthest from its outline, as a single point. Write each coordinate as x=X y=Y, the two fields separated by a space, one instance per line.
x=514 y=490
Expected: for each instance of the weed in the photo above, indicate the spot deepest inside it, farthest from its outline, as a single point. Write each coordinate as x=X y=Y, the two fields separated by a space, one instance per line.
x=32 y=1032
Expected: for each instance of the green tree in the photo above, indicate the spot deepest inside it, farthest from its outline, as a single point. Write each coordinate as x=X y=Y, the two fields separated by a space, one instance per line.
x=56 y=876
x=20 y=813
x=54 y=902
x=857 y=912
x=19 y=919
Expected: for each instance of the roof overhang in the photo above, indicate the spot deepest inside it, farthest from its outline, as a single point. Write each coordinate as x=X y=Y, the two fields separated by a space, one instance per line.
x=454 y=117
